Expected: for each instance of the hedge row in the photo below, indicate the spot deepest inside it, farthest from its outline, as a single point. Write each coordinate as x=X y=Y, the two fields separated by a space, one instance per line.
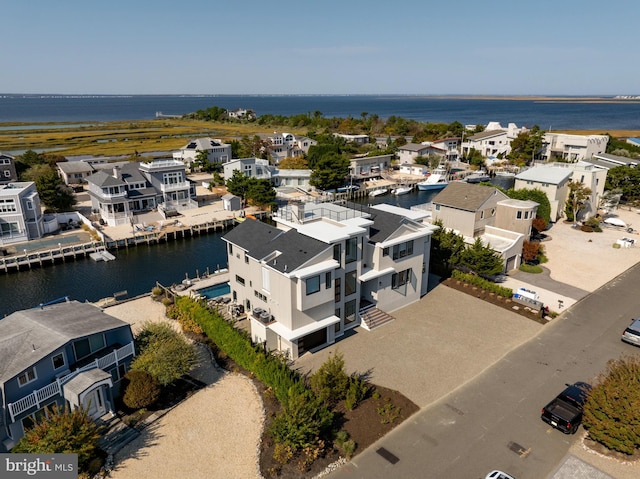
x=268 y=368
x=482 y=283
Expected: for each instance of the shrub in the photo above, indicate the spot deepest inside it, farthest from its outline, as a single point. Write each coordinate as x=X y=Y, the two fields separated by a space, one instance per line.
x=330 y=382
x=357 y=391
x=482 y=283
x=164 y=353
x=586 y=228
x=142 y=389
x=349 y=448
x=166 y=301
x=530 y=268
x=63 y=431
x=156 y=291
x=611 y=410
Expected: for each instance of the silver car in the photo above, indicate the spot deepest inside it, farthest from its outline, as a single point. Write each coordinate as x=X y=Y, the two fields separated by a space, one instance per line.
x=631 y=335
x=498 y=475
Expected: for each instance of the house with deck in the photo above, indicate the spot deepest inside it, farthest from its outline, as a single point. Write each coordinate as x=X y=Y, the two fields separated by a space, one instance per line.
x=287 y=145
x=216 y=151
x=69 y=353
x=21 y=217
x=565 y=147
x=476 y=211
x=323 y=270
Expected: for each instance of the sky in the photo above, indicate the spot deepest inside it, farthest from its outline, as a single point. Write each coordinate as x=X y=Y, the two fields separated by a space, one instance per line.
x=413 y=47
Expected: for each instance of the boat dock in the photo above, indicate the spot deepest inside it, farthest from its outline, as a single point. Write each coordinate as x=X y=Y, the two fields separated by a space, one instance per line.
x=36 y=259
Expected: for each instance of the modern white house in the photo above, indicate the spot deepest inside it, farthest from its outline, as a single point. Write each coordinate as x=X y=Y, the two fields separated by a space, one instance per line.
x=324 y=270
x=494 y=140
x=292 y=178
x=251 y=167
x=572 y=147
x=357 y=139
x=287 y=145
x=21 y=217
x=217 y=151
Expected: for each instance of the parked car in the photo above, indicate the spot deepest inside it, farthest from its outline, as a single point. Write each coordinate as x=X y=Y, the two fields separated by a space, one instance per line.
x=498 y=475
x=565 y=411
x=631 y=335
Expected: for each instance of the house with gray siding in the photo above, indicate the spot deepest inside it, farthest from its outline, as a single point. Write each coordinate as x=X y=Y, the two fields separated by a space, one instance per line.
x=323 y=270
x=21 y=217
x=7 y=168
x=69 y=353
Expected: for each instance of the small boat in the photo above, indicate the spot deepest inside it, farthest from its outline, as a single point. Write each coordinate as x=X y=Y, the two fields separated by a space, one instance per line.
x=402 y=190
x=379 y=192
x=348 y=188
x=477 y=177
x=436 y=181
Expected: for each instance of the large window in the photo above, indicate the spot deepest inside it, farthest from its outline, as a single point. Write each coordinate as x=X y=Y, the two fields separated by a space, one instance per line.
x=349 y=312
x=349 y=283
x=403 y=249
x=266 y=280
x=9 y=228
x=313 y=284
x=327 y=279
x=351 y=250
x=85 y=347
x=399 y=280
x=28 y=376
x=8 y=206
x=240 y=280
x=58 y=361
x=172 y=178
x=337 y=286
x=337 y=252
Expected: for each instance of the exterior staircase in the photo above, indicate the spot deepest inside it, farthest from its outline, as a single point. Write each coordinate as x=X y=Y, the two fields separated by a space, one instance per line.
x=373 y=318
x=116 y=434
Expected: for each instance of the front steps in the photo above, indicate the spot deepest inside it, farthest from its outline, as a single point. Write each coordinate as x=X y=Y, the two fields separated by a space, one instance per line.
x=373 y=318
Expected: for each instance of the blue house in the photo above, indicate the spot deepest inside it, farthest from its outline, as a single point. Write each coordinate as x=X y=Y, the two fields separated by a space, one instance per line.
x=69 y=353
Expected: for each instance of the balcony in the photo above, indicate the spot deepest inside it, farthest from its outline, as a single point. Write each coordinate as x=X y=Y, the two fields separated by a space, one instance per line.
x=182 y=185
x=37 y=397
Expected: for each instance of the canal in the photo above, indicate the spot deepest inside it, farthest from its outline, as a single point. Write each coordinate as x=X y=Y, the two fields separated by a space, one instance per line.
x=137 y=269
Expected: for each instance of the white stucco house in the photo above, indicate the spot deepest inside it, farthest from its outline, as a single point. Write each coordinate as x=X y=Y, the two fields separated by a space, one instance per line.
x=217 y=151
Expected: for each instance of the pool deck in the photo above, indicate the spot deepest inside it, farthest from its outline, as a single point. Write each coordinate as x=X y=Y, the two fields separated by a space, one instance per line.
x=217 y=277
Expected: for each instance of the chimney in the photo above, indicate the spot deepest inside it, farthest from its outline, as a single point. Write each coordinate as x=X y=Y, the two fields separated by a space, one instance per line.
x=116 y=172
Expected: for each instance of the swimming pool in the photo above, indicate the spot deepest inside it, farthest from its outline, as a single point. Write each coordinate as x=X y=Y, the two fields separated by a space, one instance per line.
x=215 y=290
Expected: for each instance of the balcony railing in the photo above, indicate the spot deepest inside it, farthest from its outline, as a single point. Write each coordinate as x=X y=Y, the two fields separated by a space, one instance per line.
x=183 y=185
x=38 y=396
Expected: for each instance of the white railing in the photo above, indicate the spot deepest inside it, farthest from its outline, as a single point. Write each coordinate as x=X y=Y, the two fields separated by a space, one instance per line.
x=38 y=396
x=183 y=185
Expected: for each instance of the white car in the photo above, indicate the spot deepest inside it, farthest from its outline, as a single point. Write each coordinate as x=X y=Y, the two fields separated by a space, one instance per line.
x=631 y=335
x=498 y=475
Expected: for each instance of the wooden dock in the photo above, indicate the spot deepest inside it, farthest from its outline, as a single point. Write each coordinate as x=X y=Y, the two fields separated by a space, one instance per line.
x=37 y=259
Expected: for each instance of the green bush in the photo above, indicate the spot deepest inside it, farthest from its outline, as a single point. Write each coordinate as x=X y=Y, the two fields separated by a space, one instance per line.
x=63 y=431
x=330 y=382
x=482 y=283
x=530 y=268
x=141 y=390
x=611 y=411
x=357 y=391
x=164 y=353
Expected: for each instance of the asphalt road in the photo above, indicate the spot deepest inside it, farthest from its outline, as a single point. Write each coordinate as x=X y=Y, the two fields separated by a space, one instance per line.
x=493 y=422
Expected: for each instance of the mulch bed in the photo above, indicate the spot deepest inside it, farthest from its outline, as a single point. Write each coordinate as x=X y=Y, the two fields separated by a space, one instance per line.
x=495 y=299
x=365 y=424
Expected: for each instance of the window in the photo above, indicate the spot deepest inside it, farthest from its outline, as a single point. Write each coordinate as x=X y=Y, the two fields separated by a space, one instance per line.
x=172 y=178
x=85 y=347
x=8 y=206
x=28 y=376
x=266 y=280
x=493 y=211
x=337 y=252
x=337 y=325
x=29 y=204
x=246 y=258
x=482 y=215
x=403 y=249
x=58 y=361
x=349 y=283
x=230 y=248
x=437 y=207
x=351 y=250
x=385 y=251
x=399 y=280
x=327 y=279
x=519 y=215
x=32 y=419
x=313 y=284
x=240 y=279
x=337 y=286
x=349 y=312
x=259 y=295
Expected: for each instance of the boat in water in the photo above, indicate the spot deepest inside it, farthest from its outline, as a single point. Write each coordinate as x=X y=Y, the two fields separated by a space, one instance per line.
x=379 y=192
x=436 y=181
x=402 y=190
x=478 y=177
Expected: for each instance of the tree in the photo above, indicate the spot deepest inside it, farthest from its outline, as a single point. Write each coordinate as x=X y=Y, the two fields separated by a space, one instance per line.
x=446 y=247
x=579 y=195
x=475 y=158
x=481 y=259
x=62 y=431
x=294 y=163
x=142 y=389
x=626 y=179
x=330 y=382
x=164 y=353
x=329 y=172
x=611 y=411
x=526 y=146
x=530 y=251
x=537 y=195
x=200 y=161
x=260 y=193
x=238 y=184
x=54 y=194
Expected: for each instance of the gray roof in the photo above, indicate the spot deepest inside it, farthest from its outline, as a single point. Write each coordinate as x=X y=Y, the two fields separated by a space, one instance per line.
x=69 y=167
x=104 y=179
x=545 y=174
x=259 y=240
x=84 y=381
x=465 y=196
x=610 y=161
x=414 y=147
x=30 y=335
x=384 y=225
x=486 y=134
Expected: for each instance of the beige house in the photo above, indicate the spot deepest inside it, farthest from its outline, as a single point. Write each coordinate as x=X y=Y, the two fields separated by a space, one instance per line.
x=553 y=181
x=476 y=211
x=409 y=152
x=324 y=270
x=572 y=147
x=369 y=166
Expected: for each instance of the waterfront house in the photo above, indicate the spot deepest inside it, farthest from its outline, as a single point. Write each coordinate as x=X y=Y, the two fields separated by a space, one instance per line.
x=477 y=211
x=241 y=114
x=365 y=167
x=552 y=181
x=124 y=191
x=561 y=146
x=408 y=153
x=21 y=217
x=68 y=353
x=217 y=151
x=488 y=143
x=7 y=168
x=287 y=178
x=324 y=270
x=356 y=139
x=251 y=167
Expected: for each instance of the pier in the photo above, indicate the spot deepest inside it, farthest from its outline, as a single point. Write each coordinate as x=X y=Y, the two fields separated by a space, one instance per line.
x=37 y=259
